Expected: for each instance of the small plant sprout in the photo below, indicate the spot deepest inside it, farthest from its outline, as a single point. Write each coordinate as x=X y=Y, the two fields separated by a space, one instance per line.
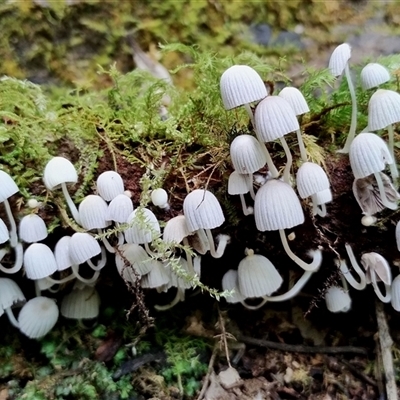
x=275 y=118
x=7 y=189
x=277 y=208
x=241 y=85
x=347 y=274
x=299 y=104
x=159 y=197
x=339 y=62
x=93 y=214
x=239 y=184
x=18 y=250
x=109 y=184
x=203 y=211
x=383 y=112
x=10 y=296
x=58 y=172
x=374 y=75
x=313 y=182
x=378 y=269
x=38 y=317
x=337 y=299
x=247 y=157
x=369 y=155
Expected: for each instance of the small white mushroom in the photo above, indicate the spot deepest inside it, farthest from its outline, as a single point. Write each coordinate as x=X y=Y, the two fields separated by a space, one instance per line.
x=396 y=293
x=239 y=184
x=10 y=296
x=32 y=228
x=230 y=282
x=373 y=75
x=109 y=184
x=18 y=251
x=159 y=197
x=337 y=299
x=81 y=304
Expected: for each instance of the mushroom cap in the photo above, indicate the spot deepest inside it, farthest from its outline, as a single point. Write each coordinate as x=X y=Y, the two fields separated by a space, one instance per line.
x=202 y=210
x=32 y=228
x=157 y=277
x=247 y=154
x=375 y=263
x=143 y=223
x=274 y=117
x=7 y=186
x=81 y=303
x=368 y=154
x=4 y=234
x=82 y=247
x=239 y=85
x=373 y=75
x=176 y=229
x=396 y=293
x=337 y=299
x=277 y=206
x=39 y=261
x=311 y=179
x=62 y=253
x=109 y=185
x=238 y=183
x=230 y=281
x=119 y=208
x=174 y=279
x=137 y=257
x=339 y=58
x=383 y=109
x=296 y=99
x=10 y=294
x=398 y=235
x=159 y=197
x=322 y=197
x=257 y=276
x=38 y=317
x=93 y=212
x=57 y=171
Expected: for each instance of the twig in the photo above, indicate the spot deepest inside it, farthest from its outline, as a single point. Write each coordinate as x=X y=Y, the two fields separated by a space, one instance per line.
x=386 y=344
x=209 y=372
x=359 y=374
x=301 y=348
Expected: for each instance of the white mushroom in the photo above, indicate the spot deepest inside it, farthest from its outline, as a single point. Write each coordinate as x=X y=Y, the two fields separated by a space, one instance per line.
x=32 y=228
x=396 y=293
x=10 y=296
x=240 y=184
x=159 y=197
x=109 y=185
x=373 y=75
x=18 y=251
x=81 y=304
x=347 y=273
x=337 y=299
x=230 y=282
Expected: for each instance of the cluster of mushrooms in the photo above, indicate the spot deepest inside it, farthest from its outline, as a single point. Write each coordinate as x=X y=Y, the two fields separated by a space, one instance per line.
x=276 y=207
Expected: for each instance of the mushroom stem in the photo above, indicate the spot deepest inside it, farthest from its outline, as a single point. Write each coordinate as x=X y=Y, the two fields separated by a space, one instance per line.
x=348 y=275
x=219 y=251
x=189 y=259
x=105 y=241
x=286 y=172
x=180 y=292
x=381 y=297
x=101 y=263
x=60 y=281
x=19 y=257
x=11 y=317
x=270 y=163
x=70 y=203
x=393 y=166
x=150 y=252
x=317 y=255
x=246 y=210
x=294 y=291
x=318 y=209
x=385 y=201
x=75 y=270
x=249 y=113
x=13 y=226
x=353 y=124
x=251 y=187
x=303 y=152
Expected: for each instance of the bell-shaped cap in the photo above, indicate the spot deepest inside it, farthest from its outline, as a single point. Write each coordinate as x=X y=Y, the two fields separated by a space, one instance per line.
x=339 y=58
x=396 y=293
x=239 y=85
x=7 y=186
x=136 y=256
x=32 y=228
x=375 y=263
x=174 y=279
x=230 y=282
x=39 y=261
x=4 y=234
x=92 y=212
x=119 y=208
x=398 y=235
x=277 y=206
x=311 y=179
x=142 y=225
x=368 y=154
x=38 y=317
x=373 y=75
x=62 y=253
x=81 y=303
x=337 y=299
x=257 y=276
x=157 y=277
x=82 y=247
x=274 y=117
x=247 y=154
x=109 y=185
x=176 y=230
x=10 y=294
x=57 y=171
x=202 y=210
x=238 y=183
x=159 y=197
x=296 y=100
x=383 y=109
